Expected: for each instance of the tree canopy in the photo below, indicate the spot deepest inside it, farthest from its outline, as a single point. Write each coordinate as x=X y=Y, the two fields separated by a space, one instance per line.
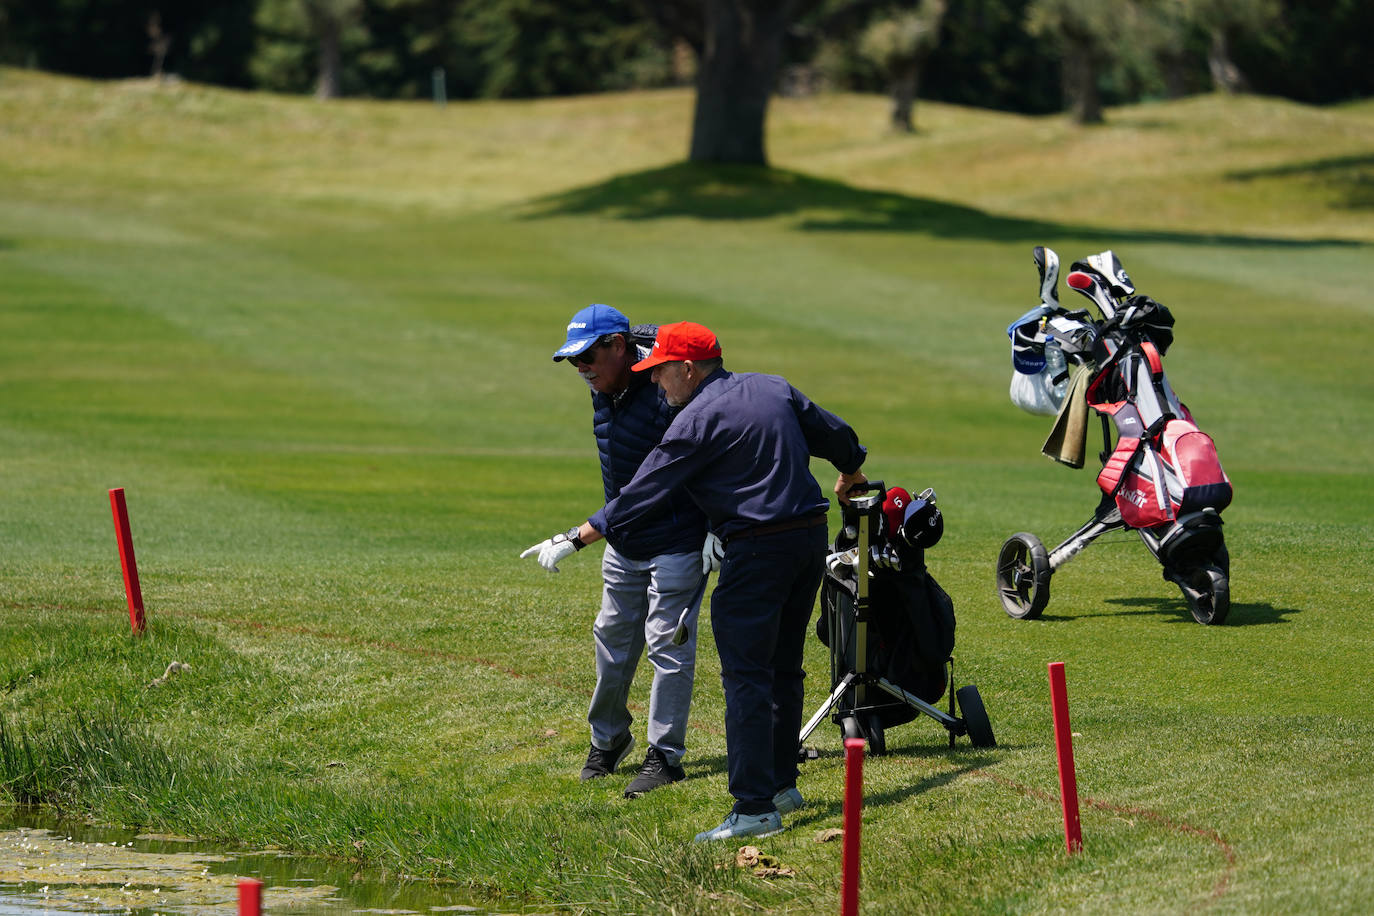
x=1020 y=55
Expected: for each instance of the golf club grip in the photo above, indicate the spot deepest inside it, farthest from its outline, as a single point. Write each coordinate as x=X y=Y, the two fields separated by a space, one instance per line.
x=868 y=486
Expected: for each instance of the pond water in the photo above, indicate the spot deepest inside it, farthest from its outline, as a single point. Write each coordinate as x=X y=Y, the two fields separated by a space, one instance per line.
x=52 y=866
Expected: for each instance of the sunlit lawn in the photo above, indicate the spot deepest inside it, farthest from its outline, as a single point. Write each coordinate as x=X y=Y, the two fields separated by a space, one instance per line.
x=312 y=343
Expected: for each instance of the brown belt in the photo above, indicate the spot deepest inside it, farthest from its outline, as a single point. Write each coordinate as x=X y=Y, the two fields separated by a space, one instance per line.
x=809 y=521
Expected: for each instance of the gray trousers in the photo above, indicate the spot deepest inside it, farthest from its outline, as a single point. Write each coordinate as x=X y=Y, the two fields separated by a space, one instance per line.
x=642 y=602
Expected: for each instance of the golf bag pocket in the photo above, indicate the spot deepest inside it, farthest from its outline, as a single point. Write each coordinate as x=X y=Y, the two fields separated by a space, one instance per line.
x=1156 y=485
x=910 y=635
x=910 y=607
x=1034 y=386
x=913 y=632
x=1115 y=468
x=1035 y=393
x=1136 y=477
x=1202 y=484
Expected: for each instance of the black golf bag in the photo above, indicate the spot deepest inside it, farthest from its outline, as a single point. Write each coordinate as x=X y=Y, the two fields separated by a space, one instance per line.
x=889 y=626
x=1161 y=477
x=910 y=633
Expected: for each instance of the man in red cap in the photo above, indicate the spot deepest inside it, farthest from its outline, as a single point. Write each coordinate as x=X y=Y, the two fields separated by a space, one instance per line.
x=740 y=448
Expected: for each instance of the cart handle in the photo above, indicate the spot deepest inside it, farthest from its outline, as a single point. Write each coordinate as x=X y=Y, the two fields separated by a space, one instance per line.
x=859 y=489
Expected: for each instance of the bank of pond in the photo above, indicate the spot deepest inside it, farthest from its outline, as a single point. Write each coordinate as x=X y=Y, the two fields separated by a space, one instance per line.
x=52 y=865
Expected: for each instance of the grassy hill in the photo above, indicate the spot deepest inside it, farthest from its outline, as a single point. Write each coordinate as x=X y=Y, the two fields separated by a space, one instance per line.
x=311 y=341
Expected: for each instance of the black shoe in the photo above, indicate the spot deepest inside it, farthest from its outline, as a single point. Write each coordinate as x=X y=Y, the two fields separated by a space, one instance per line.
x=603 y=763
x=655 y=772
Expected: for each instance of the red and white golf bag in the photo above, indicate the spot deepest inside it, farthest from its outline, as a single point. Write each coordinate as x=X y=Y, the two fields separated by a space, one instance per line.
x=1164 y=471
x=1160 y=474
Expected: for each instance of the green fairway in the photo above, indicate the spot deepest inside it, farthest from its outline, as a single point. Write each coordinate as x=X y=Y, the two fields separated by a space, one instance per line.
x=312 y=342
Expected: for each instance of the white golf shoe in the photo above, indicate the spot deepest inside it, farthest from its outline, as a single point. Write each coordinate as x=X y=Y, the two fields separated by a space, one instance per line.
x=736 y=825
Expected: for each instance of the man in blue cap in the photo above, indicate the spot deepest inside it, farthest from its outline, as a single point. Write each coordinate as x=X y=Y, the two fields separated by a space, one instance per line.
x=653 y=578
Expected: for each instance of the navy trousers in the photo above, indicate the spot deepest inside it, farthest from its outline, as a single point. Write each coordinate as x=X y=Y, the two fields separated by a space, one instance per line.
x=759 y=615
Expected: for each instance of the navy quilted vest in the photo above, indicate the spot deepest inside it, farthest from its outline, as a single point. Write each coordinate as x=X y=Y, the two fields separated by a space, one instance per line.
x=627 y=428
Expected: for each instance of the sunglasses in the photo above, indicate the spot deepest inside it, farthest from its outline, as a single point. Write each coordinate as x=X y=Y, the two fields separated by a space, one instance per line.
x=587 y=356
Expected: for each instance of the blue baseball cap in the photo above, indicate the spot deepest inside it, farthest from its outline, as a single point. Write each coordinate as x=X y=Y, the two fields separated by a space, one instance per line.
x=588 y=326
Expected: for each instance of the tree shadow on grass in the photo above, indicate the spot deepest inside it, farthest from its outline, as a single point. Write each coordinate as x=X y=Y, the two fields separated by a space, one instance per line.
x=736 y=192
x=1352 y=177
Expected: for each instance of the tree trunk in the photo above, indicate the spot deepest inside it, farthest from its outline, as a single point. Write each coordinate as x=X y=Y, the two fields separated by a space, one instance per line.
x=735 y=79
x=904 y=87
x=1080 y=83
x=1226 y=76
x=159 y=43
x=1175 y=66
x=329 y=30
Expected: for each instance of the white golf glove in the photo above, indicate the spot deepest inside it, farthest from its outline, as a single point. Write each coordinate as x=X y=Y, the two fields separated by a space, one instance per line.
x=554 y=550
x=712 y=552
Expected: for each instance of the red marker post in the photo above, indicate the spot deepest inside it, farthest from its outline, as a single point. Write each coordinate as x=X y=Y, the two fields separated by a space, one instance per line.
x=1063 y=740
x=126 y=559
x=250 y=897
x=853 y=818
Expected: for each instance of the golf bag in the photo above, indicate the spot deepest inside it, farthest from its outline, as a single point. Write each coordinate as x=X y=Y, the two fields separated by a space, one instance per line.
x=1160 y=476
x=889 y=625
x=911 y=631
x=642 y=337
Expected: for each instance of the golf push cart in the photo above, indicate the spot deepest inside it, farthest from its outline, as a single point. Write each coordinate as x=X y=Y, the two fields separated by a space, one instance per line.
x=1161 y=478
x=889 y=626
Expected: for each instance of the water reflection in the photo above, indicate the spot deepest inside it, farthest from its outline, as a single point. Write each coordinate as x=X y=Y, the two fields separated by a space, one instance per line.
x=52 y=866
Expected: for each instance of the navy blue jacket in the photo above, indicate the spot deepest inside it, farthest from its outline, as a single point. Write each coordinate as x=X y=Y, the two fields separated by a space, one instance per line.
x=627 y=428
x=741 y=450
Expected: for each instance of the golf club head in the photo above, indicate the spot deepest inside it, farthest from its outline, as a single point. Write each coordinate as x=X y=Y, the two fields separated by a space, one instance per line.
x=923 y=524
x=1109 y=267
x=681 y=634
x=1092 y=285
x=1047 y=262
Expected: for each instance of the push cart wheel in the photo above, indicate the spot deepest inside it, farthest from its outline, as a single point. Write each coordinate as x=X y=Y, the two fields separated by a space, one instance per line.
x=1023 y=576
x=849 y=728
x=975 y=717
x=1207 y=590
x=877 y=741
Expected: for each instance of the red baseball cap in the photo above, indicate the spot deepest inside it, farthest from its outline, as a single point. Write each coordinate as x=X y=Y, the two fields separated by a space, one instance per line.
x=678 y=341
x=894 y=507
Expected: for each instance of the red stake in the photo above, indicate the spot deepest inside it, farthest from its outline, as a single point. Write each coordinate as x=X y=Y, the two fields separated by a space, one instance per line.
x=250 y=897
x=1063 y=740
x=126 y=560
x=853 y=818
